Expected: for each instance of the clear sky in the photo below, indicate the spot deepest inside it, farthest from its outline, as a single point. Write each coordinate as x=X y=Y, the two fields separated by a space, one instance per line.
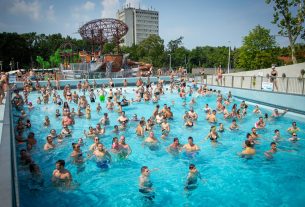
x=200 y=22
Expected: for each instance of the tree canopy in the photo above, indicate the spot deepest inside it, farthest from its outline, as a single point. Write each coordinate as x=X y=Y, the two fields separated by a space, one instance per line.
x=174 y=44
x=24 y=49
x=257 y=50
x=290 y=25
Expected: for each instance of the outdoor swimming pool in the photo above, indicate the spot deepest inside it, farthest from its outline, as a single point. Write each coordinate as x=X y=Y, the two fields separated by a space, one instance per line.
x=231 y=180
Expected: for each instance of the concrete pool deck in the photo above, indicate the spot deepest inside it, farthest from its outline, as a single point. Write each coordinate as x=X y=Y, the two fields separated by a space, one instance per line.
x=2 y=108
x=8 y=176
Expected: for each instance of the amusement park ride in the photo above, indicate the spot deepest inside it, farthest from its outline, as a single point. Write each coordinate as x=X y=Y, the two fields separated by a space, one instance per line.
x=98 y=32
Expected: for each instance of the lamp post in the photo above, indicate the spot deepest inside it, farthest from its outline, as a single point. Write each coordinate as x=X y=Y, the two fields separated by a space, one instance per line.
x=229 y=58
x=170 y=62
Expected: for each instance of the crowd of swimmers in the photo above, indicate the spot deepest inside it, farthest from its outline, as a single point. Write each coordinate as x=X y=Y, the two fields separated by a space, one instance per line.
x=87 y=94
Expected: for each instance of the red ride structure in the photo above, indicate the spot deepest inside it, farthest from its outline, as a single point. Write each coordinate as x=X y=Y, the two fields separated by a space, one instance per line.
x=100 y=31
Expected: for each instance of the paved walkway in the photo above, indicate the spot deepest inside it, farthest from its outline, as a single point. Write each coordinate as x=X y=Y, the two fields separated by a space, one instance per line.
x=6 y=176
x=2 y=107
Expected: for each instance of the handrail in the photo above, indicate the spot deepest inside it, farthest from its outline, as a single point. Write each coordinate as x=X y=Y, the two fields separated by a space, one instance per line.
x=79 y=74
x=288 y=85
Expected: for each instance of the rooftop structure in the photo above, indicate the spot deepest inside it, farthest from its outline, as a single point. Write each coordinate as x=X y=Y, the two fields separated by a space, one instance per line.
x=141 y=23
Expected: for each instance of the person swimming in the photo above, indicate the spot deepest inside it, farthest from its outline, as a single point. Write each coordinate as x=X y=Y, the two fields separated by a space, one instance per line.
x=294 y=138
x=277 y=136
x=293 y=128
x=213 y=135
x=61 y=176
x=125 y=148
x=249 y=151
x=190 y=148
x=152 y=142
x=77 y=154
x=234 y=125
x=260 y=124
x=103 y=157
x=115 y=147
x=192 y=177
x=273 y=150
x=36 y=181
x=189 y=123
x=145 y=185
x=221 y=128
x=175 y=147
x=277 y=114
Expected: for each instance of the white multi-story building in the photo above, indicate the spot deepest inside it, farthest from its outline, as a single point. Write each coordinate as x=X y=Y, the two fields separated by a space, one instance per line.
x=141 y=24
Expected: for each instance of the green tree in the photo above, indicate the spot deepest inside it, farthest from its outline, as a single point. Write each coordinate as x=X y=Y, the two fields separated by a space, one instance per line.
x=109 y=48
x=42 y=63
x=174 y=44
x=179 y=57
x=132 y=51
x=290 y=26
x=13 y=47
x=208 y=56
x=55 y=59
x=152 y=50
x=256 y=51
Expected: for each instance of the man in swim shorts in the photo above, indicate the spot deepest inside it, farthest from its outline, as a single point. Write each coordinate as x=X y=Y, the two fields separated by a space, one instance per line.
x=254 y=133
x=175 y=147
x=145 y=185
x=61 y=175
x=293 y=128
x=190 y=146
x=249 y=151
x=192 y=177
x=272 y=151
x=277 y=114
x=151 y=138
x=103 y=156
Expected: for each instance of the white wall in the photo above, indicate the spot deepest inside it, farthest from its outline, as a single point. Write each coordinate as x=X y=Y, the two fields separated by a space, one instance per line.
x=289 y=70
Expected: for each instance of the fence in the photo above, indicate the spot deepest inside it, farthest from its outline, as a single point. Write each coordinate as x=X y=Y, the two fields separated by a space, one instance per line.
x=291 y=85
x=86 y=74
x=80 y=74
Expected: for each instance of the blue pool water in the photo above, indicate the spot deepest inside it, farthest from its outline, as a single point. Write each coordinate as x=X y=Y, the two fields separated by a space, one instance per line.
x=231 y=180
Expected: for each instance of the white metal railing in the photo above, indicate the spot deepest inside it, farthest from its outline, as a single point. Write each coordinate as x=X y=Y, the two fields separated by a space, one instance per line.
x=291 y=85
